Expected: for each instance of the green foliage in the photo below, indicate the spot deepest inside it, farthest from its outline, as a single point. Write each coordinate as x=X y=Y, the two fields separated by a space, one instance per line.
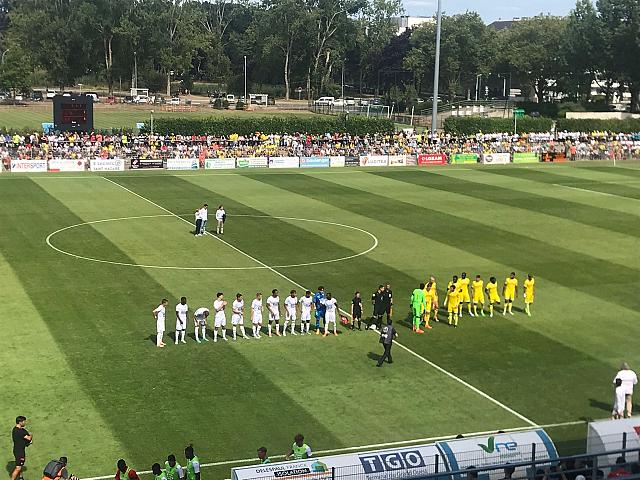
x=220 y=104
x=318 y=125
x=239 y=105
x=631 y=125
x=473 y=125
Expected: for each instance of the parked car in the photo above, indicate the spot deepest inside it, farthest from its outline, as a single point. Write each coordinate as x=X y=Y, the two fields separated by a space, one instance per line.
x=231 y=98
x=128 y=99
x=141 y=99
x=174 y=101
x=324 y=101
x=51 y=94
x=37 y=96
x=94 y=95
x=338 y=103
x=350 y=101
x=19 y=97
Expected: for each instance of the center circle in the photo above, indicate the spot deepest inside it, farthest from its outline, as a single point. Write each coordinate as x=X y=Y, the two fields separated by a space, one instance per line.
x=374 y=243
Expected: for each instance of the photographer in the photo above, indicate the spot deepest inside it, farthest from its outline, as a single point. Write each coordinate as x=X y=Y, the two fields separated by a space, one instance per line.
x=56 y=470
x=21 y=440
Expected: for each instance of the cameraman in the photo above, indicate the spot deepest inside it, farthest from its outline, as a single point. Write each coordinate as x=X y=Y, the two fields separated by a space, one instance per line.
x=57 y=470
x=21 y=440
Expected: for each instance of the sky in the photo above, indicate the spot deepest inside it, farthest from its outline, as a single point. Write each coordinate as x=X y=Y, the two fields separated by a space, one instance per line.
x=491 y=10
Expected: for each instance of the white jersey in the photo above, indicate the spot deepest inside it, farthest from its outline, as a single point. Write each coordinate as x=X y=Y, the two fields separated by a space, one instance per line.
x=220 y=320
x=199 y=315
x=236 y=317
x=160 y=313
x=273 y=304
x=204 y=214
x=219 y=214
x=181 y=316
x=305 y=308
x=330 y=309
x=290 y=307
x=256 y=308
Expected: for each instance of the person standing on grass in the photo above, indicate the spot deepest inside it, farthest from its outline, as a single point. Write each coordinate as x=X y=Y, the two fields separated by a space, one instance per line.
x=529 y=293
x=299 y=449
x=204 y=216
x=200 y=323
x=331 y=306
x=124 y=472
x=388 y=301
x=220 y=318
x=256 y=315
x=509 y=292
x=21 y=440
x=306 y=305
x=193 y=464
x=159 y=314
x=262 y=456
x=182 y=314
x=387 y=335
x=198 y=223
x=290 y=312
x=273 y=306
x=173 y=469
x=318 y=304
x=356 y=311
x=237 y=316
x=418 y=304
x=378 y=307
x=629 y=379
x=221 y=216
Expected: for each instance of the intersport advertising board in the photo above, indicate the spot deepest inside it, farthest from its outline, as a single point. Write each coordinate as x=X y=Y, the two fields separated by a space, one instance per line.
x=28 y=166
x=496 y=159
x=374 y=161
x=284 y=162
x=182 y=164
x=59 y=165
x=107 y=165
x=219 y=163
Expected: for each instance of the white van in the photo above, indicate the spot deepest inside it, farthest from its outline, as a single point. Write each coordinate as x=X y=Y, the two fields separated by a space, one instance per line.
x=324 y=101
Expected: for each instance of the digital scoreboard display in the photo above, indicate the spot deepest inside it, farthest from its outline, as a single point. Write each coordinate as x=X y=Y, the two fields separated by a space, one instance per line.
x=73 y=113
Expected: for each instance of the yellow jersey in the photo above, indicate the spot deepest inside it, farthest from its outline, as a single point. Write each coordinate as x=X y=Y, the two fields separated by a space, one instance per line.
x=510 y=285
x=529 y=287
x=457 y=285
x=453 y=299
x=434 y=291
x=492 y=290
x=463 y=284
x=478 y=290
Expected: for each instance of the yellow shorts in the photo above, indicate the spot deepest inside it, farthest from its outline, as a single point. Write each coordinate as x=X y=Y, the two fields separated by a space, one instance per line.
x=452 y=308
x=494 y=298
x=528 y=298
x=509 y=296
x=478 y=299
x=464 y=297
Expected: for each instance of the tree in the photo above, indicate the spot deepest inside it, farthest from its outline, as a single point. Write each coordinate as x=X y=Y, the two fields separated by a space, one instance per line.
x=14 y=70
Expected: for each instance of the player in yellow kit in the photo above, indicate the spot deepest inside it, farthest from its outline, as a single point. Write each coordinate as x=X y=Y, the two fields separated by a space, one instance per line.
x=478 y=295
x=434 y=293
x=492 y=293
x=428 y=306
x=463 y=287
x=529 y=292
x=453 y=300
x=509 y=292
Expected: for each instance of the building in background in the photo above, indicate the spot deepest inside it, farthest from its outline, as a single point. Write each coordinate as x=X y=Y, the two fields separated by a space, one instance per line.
x=407 y=22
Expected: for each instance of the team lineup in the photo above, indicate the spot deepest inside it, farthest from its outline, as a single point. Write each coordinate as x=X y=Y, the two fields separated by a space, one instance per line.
x=323 y=307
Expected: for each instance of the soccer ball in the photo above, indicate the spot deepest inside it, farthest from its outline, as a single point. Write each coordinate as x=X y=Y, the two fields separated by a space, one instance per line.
x=372 y=326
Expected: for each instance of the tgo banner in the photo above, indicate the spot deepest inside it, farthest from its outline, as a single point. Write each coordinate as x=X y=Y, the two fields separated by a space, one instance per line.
x=314 y=162
x=58 y=165
x=381 y=465
x=107 y=165
x=182 y=164
x=219 y=163
x=284 y=162
x=496 y=158
x=252 y=162
x=29 y=166
x=374 y=161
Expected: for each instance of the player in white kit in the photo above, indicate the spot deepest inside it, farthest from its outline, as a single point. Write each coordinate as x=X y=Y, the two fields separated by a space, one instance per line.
x=256 y=315
x=331 y=306
x=200 y=323
x=220 y=319
x=273 y=305
x=182 y=313
x=237 y=317
x=159 y=314
x=290 y=313
x=306 y=304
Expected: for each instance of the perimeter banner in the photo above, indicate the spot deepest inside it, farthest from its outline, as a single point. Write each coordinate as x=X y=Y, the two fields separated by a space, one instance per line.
x=58 y=165
x=432 y=159
x=284 y=162
x=315 y=162
x=219 y=163
x=182 y=164
x=337 y=161
x=496 y=158
x=374 y=161
x=252 y=162
x=107 y=165
x=138 y=163
x=464 y=158
x=28 y=166
x=397 y=160
x=525 y=157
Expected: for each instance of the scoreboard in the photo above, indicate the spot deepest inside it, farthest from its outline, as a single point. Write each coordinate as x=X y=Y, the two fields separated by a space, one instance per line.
x=73 y=113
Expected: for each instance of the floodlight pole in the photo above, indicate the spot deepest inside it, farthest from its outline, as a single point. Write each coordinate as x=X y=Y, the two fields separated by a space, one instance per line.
x=245 y=80
x=436 y=72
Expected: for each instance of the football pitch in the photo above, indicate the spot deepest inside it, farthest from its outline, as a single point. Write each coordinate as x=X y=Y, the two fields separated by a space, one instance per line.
x=85 y=258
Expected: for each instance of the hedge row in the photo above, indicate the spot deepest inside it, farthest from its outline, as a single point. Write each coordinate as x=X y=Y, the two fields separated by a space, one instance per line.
x=473 y=125
x=631 y=125
x=224 y=126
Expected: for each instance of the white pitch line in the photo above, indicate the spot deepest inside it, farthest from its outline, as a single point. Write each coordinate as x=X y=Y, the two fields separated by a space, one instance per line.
x=428 y=362
x=592 y=191
x=368 y=447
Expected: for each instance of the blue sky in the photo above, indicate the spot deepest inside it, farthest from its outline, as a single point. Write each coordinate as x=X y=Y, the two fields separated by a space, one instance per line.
x=491 y=10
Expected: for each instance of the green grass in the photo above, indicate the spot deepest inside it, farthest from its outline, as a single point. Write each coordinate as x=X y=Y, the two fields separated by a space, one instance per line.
x=78 y=348
x=119 y=116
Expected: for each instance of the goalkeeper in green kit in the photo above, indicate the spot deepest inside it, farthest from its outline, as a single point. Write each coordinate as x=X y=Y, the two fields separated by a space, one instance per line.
x=418 y=305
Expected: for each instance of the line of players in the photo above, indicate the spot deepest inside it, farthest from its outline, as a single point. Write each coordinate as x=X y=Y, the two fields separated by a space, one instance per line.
x=324 y=306
x=424 y=300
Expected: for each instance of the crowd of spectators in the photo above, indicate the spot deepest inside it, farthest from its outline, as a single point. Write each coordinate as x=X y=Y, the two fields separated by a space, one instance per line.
x=571 y=145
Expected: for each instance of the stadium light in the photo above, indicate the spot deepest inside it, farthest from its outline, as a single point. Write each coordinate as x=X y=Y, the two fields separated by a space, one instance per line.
x=436 y=72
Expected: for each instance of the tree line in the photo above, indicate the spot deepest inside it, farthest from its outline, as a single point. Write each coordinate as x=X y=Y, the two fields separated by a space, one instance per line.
x=317 y=45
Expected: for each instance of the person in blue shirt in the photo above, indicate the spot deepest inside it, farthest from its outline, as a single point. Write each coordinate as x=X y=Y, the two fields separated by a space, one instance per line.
x=318 y=301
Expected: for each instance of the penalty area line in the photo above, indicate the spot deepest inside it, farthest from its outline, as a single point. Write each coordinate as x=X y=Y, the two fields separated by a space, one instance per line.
x=367 y=447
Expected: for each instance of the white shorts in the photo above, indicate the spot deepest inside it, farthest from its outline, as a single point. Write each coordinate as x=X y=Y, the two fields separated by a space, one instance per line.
x=330 y=317
x=274 y=317
x=220 y=321
x=181 y=324
x=290 y=315
x=160 y=326
x=237 y=319
x=201 y=321
x=257 y=319
x=305 y=316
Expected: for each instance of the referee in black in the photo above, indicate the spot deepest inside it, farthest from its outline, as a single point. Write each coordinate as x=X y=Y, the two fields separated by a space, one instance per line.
x=388 y=301
x=377 y=299
x=21 y=440
x=387 y=335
